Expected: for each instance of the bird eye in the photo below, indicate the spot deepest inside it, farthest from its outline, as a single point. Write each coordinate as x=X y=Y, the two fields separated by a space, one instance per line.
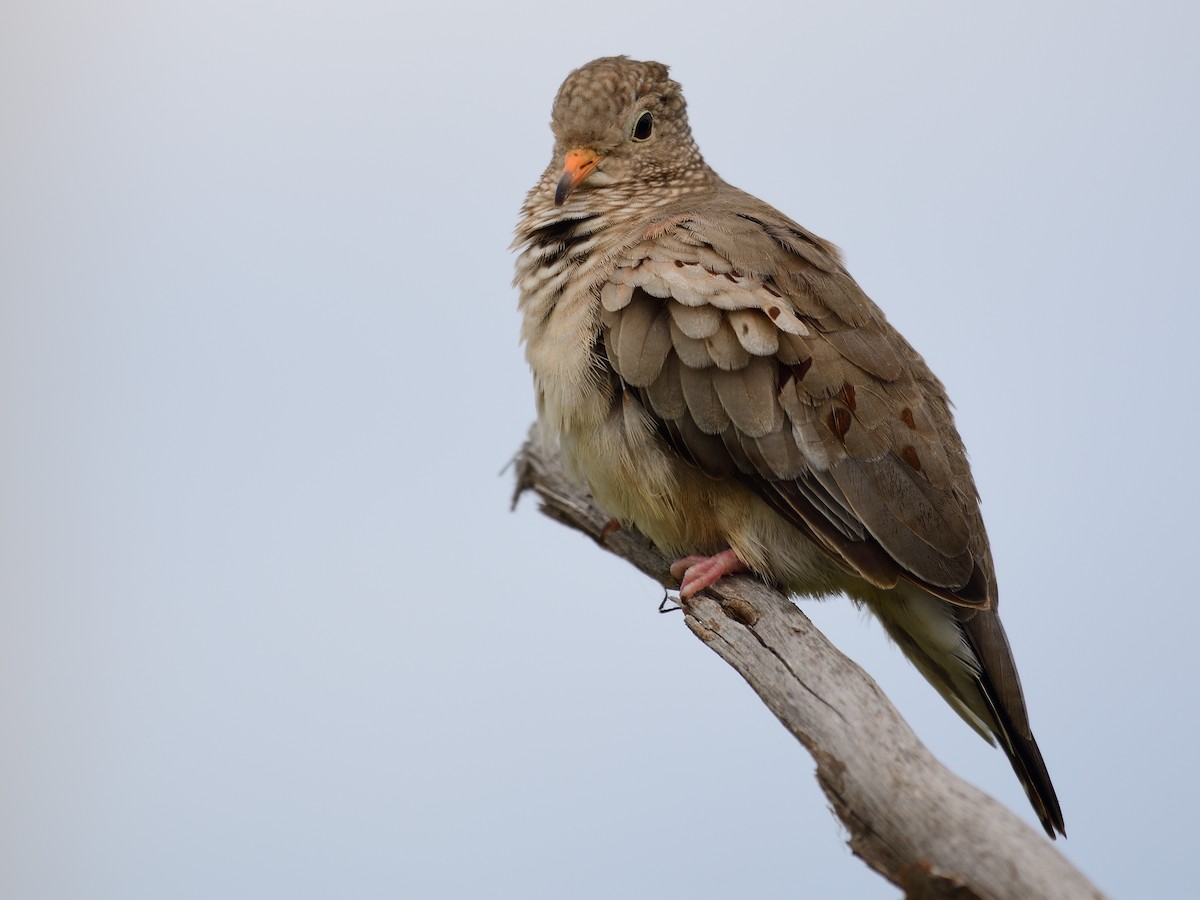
x=643 y=126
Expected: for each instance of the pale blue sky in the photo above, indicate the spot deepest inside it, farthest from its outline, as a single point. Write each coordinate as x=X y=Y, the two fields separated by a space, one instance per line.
x=267 y=627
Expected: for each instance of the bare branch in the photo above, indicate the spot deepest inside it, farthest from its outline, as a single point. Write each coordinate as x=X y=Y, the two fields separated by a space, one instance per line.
x=910 y=819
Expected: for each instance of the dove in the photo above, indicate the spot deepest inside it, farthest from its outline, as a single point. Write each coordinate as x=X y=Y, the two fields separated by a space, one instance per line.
x=718 y=381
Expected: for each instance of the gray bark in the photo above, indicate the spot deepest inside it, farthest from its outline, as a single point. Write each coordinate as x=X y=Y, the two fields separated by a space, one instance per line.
x=909 y=818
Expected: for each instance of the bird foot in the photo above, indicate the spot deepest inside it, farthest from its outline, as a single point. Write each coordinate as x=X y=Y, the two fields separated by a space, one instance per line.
x=695 y=573
x=611 y=526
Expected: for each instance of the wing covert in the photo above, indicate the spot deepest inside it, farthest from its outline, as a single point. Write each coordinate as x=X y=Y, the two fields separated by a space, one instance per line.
x=789 y=378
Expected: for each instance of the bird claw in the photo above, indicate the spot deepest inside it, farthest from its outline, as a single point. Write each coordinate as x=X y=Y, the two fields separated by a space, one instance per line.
x=612 y=525
x=695 y=573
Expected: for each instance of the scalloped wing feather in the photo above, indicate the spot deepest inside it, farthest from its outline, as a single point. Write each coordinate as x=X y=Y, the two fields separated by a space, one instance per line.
x=774 y=366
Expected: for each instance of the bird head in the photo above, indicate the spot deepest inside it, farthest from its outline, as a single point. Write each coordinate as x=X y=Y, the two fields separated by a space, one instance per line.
x=617 y=121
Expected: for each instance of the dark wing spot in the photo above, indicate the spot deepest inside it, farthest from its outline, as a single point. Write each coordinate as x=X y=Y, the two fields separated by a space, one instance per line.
x=839 y=422
x=773 y=312
x=798 y=371
x=909 y=455
x=906 y=417
x=679 y=263
x=847 y=396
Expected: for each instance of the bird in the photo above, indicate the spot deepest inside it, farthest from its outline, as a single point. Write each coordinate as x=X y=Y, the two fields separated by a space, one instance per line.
x=718 y=381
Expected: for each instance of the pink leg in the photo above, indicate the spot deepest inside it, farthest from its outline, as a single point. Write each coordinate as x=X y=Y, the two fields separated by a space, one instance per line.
x=698 y=572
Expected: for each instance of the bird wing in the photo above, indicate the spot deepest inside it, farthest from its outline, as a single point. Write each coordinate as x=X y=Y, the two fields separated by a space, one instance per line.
x=760 y=358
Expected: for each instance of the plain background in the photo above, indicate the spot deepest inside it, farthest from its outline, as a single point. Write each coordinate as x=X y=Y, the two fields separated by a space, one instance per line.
x=267 y=626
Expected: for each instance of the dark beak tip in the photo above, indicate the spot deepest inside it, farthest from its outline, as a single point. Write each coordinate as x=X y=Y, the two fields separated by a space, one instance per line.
x=565 y=185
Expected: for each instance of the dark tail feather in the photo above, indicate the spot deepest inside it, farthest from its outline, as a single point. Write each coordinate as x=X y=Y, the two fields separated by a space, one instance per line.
x=1001 y=688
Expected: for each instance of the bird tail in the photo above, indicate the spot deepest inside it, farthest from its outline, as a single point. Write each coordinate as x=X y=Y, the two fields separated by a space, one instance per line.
x=964 y=654
x=1000 y=688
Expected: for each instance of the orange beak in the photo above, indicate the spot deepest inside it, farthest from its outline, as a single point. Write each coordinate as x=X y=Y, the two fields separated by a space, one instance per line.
x=577 y=165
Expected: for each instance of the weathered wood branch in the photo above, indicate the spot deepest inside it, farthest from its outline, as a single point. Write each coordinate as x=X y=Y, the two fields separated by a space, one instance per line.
x=910 y=819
